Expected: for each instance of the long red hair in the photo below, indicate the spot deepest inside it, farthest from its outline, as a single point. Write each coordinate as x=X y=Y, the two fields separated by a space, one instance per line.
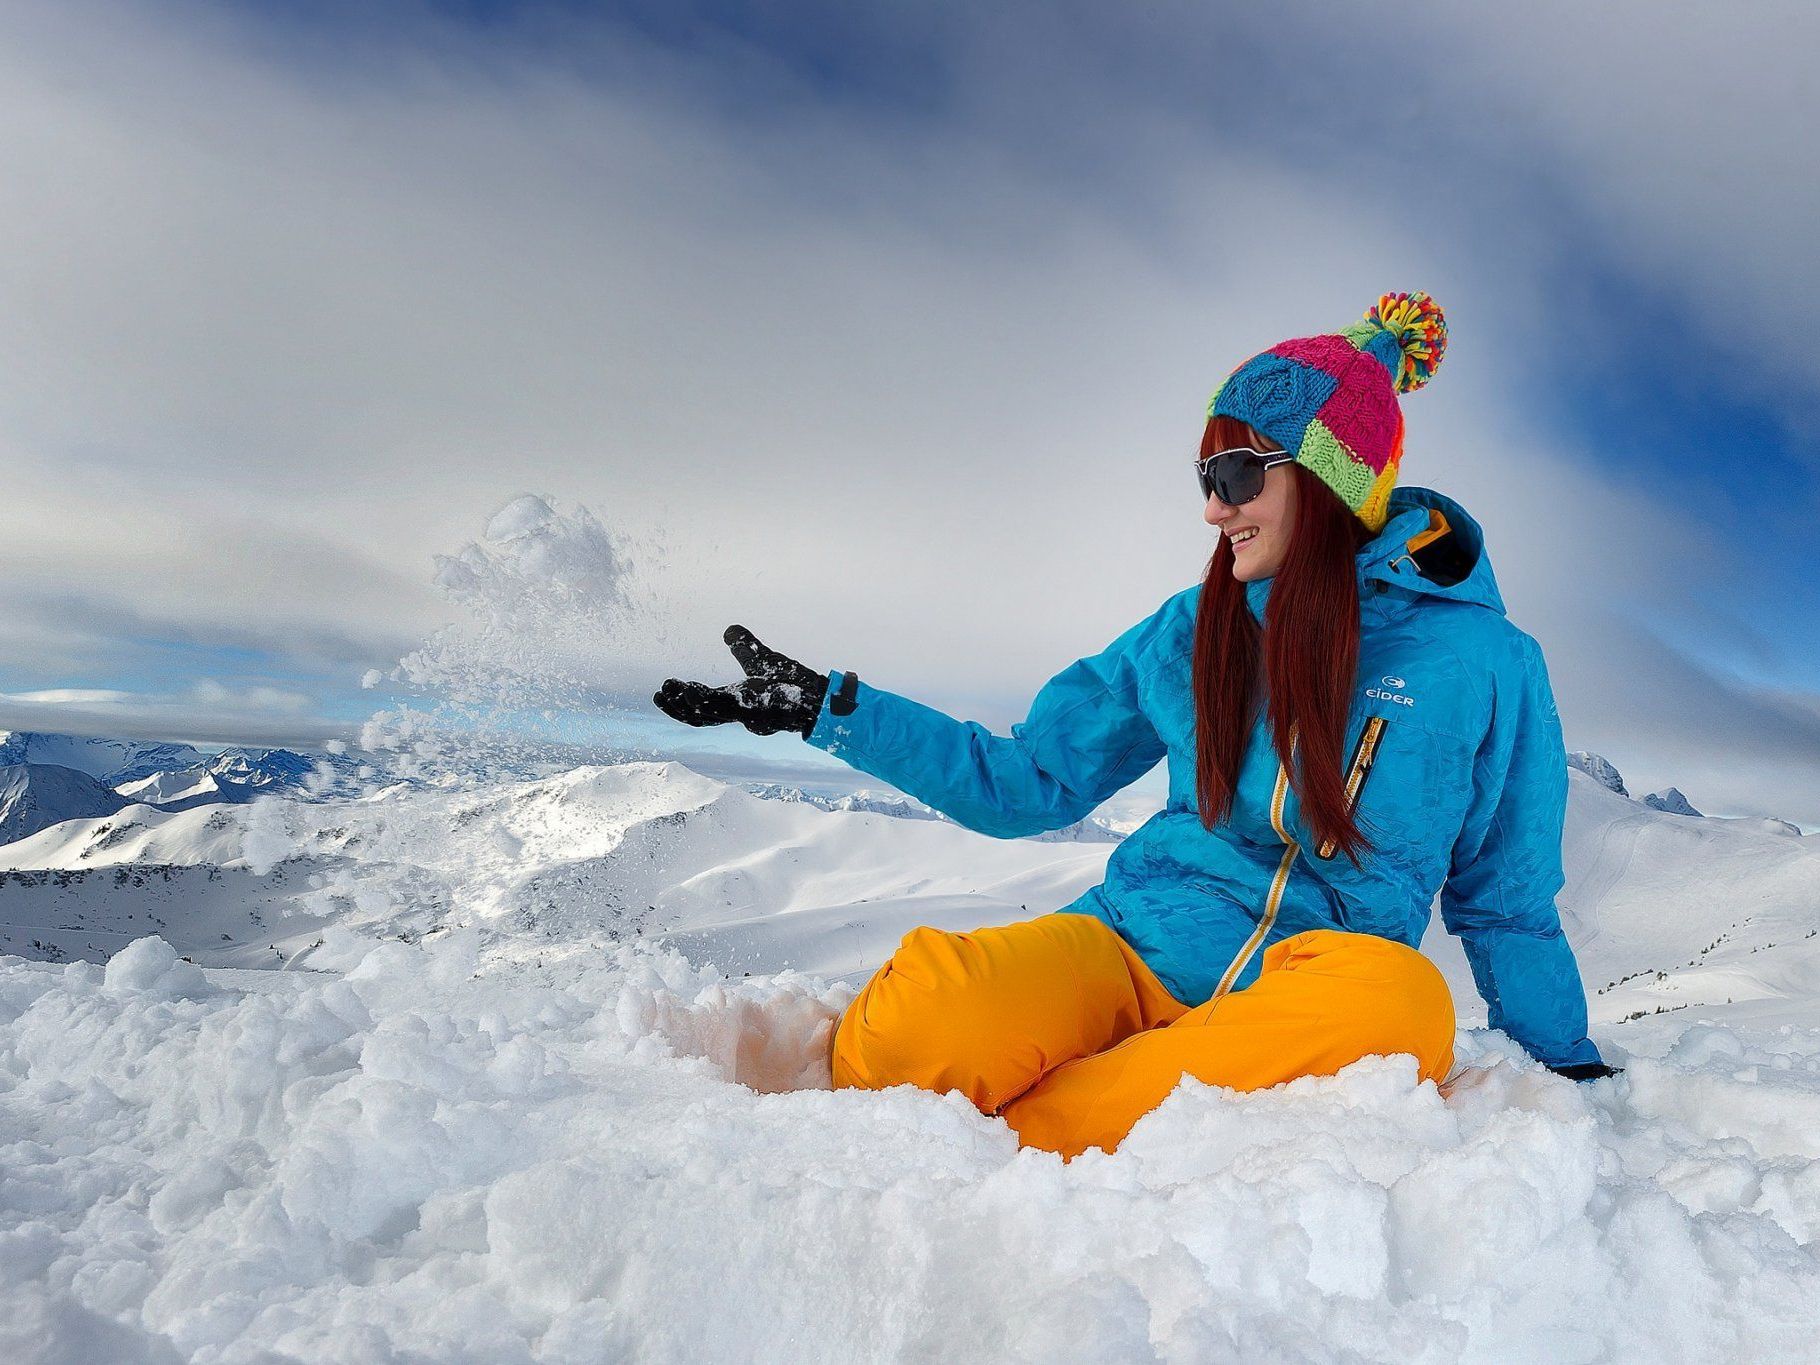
x=1301 y=663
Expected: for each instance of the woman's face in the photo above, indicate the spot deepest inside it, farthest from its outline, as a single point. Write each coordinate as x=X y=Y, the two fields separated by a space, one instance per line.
x=1271 y=515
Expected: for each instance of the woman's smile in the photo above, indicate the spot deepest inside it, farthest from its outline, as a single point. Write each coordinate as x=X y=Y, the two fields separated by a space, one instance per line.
x=1258 y=530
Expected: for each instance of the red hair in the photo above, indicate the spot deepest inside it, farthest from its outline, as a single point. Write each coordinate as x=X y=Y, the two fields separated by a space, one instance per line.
x=1301 y=663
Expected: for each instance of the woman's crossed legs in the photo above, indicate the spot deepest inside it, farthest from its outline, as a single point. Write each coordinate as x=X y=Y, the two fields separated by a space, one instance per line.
x=1057 y=1024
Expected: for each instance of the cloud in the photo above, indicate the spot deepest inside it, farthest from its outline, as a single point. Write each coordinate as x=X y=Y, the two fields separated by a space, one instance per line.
x=208 y=693
x=174 y=719
x=895 y=358
x=67 y=696
x=1667 y=720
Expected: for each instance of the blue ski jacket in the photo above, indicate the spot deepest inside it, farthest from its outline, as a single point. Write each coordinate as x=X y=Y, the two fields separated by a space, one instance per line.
x=1455 y=758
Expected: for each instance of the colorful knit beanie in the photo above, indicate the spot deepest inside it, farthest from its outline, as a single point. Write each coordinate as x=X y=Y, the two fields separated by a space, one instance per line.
x=1332 y=400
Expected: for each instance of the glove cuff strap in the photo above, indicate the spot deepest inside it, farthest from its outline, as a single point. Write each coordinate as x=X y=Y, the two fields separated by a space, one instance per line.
x=846 y=699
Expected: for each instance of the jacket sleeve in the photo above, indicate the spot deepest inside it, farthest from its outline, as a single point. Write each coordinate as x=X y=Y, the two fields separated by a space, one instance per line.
x=1506 y=871
x=1085 y=738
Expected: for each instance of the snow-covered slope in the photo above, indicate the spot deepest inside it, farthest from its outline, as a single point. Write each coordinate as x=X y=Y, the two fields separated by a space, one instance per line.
x=538 y=1086
x=1668 y=912
x=591 y=856
x=35 y=796
x=1090 y=829
x=761 y=885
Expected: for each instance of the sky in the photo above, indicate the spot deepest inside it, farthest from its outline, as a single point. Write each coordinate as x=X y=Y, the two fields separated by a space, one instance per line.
x=886 y=331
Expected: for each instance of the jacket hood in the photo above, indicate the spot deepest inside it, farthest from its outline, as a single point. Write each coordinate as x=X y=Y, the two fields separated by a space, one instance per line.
x=1452 y=564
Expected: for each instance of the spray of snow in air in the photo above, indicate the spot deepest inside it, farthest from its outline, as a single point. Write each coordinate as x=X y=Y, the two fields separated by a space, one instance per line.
x=548 y=598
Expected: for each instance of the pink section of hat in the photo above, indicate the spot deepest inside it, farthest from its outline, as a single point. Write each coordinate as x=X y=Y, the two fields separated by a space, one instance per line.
x=1332 y=355
x=1363 y=414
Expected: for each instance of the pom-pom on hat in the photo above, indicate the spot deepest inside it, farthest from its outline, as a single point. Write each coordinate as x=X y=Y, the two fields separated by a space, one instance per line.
x=1332 y=400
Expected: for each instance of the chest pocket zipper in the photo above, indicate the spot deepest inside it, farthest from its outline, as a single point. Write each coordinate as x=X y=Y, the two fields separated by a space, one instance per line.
x=1362 y=758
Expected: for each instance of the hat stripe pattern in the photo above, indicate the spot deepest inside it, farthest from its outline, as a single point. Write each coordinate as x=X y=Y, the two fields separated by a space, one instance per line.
x=1332 y=399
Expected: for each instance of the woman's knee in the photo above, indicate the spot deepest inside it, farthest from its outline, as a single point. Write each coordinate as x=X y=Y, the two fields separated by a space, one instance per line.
x=919 y=1018
x=987 y=1012
x=1419 y=1007
x=1397 y=996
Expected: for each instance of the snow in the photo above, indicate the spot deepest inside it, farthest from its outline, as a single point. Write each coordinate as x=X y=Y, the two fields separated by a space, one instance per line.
x=1671 y=800
x=110 y=761
x=546 y=600
x=445 y=1156
x=151 y=966
x=36 y=796
x=546 y=1079
x=586 y=856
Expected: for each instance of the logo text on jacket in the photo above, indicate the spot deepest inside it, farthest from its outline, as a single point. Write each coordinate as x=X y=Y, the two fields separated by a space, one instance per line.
x=1390 y=688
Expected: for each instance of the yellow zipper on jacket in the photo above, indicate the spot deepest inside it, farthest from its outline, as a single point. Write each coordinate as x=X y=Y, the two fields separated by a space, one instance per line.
x=1273 y=902
x=1362 y=758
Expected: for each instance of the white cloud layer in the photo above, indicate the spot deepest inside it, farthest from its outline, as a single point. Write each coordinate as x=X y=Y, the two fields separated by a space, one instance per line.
x=909 y=391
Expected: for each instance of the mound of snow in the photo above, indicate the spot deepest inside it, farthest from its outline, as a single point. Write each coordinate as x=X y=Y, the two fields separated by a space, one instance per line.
x=435 y=1157
x=151 y=966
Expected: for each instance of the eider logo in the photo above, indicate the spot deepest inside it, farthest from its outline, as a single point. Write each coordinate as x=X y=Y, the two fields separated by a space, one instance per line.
x=1391 y=690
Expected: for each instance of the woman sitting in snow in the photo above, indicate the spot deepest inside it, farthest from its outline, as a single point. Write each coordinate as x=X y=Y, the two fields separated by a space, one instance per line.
x=1380 y=733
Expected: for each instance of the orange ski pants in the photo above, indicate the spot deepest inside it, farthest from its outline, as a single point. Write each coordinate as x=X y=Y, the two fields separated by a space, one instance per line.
x=1057 y=1025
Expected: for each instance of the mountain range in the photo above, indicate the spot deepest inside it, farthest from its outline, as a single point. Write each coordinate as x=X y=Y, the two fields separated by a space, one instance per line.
x=47 y=778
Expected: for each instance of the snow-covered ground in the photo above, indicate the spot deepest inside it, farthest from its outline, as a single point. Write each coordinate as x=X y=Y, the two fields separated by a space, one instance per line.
x=537 y=1072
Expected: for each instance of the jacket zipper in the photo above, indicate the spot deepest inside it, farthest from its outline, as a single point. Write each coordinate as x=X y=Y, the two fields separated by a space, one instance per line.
x=1362 y=758
x=1273 y=902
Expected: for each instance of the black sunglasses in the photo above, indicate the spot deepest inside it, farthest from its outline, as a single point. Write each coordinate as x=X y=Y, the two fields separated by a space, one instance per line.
x=1237 y=475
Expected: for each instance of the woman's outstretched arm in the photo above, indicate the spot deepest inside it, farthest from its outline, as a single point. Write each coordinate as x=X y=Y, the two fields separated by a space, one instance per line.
x=1086 y=737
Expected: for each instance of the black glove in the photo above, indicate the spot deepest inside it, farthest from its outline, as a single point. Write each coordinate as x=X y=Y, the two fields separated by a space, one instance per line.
x=1586 y=1071
x=776 y=694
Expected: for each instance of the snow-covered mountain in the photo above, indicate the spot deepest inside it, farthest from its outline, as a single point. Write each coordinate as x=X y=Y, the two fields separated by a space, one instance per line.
x=172 y=777
x=792 y=879
x=35 y=796
x=110 y=761
x=1670 y=800
x=232 y=775
x=901 y=807
x=589 y=857
x=262 y=769
x=1599 y=769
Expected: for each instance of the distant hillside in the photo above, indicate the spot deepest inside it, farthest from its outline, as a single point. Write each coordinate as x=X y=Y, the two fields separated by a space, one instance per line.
x=35 y=796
